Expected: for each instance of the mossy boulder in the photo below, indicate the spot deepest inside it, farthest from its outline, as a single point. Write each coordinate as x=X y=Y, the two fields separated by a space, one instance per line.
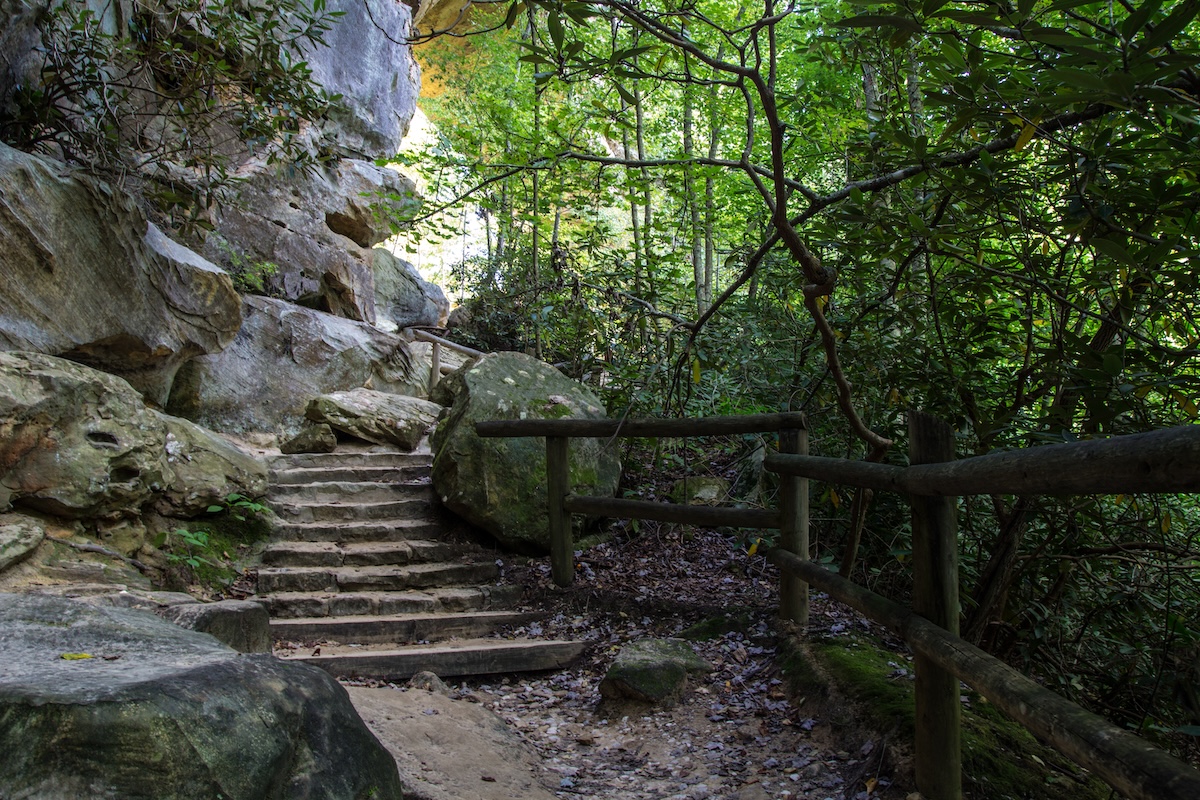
x=500 y=484
x=379 y=417
x=109 y=702
x=652 y=671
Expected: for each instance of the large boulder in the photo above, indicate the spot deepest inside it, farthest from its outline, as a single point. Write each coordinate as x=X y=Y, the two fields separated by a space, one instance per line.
x=306 y=236
x=84 y=276
x=205 y=470
x=74 y=441
x=377 y=417
x=81 y=444
x=402 y=297
x=107 y=702
x=369 y=65
x=284 y=356
x=500 y=484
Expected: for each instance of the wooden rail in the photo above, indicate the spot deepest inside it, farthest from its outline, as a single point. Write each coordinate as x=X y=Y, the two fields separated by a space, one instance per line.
x=791 y=520
x=1161 y=461
x=436 y=368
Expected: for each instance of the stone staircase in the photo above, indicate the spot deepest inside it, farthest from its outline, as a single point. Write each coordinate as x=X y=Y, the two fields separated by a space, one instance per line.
x=369 y=578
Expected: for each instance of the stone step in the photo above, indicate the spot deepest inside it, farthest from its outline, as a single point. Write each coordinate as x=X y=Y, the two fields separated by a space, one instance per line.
x=412 y=508
x=362 y=554
x=468 y=657
x=381 y=474
x=293 y=605
x=348 y=459
x=359 y=531
x=399 y=628
x=374 y=579
x=348 y=491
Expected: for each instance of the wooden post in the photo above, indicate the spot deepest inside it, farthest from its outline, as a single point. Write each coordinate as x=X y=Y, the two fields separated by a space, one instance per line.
x=562 y=548
x=435 y=366
x=793 y=532
x=935 y=597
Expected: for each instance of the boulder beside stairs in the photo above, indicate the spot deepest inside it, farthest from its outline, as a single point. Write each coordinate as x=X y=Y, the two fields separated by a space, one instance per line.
x=369 y=578
x=113 y=702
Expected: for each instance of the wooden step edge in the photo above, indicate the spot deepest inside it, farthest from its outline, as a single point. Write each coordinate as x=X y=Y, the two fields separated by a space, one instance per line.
x=454 y=660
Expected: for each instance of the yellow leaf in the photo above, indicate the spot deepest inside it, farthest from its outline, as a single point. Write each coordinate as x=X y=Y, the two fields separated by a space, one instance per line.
x=833 y=498
x=753 y=548
x=696 y=371
x=893 y=397
x=1026 y=137
x=1165 y=525
x=75 y=656
x=871 y=784
x=1045 y=247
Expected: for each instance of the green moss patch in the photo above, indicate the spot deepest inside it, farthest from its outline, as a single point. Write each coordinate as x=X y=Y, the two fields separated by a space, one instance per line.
x=855 y=685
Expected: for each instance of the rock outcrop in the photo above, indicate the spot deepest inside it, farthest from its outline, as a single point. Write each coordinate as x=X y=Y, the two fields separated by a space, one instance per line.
x=376 y=416
x=652 y=671
x=84 y=276
x=402 y=297
x=107 y=702
x=500 y=484
x=283 y=357
x=79 y=443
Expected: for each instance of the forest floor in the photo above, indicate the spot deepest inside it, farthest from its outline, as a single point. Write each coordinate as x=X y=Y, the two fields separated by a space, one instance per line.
x=739 y=732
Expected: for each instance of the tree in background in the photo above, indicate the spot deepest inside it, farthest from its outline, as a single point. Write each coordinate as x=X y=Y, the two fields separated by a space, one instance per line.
x=984 y=210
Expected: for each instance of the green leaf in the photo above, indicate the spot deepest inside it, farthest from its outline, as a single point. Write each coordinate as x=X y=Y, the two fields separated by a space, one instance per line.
x=882 y=21
x=1113 y=250
x=1080 y=79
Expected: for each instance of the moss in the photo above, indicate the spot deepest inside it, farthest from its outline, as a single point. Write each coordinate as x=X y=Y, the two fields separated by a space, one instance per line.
x=1001 y=760
x=713 y=627
x=232 y=540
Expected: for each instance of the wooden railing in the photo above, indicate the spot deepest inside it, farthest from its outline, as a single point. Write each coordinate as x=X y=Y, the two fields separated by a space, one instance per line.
x=1162 y=461
x=436 y=368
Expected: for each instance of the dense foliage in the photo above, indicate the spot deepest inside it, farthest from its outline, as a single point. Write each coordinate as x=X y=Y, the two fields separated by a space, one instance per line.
x=985 y=210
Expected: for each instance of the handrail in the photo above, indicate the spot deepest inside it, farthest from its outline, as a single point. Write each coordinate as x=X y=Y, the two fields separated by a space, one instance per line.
x=1159 y=461
x=1165 y=460
x=791 y=520
x=1122 y=759
x=632 y=428
x=436 y=369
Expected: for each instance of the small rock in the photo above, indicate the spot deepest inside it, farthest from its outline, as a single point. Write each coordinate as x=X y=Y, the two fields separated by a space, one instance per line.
x=318 y=438
x=429 y=682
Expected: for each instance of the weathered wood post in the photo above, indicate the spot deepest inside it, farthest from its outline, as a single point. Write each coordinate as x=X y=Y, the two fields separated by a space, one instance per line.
x=435 y=366
x=935 y=597
x=562 y=548
x=793 y=531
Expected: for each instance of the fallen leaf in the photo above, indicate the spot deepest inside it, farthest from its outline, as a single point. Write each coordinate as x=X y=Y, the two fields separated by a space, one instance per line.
x=75 y=656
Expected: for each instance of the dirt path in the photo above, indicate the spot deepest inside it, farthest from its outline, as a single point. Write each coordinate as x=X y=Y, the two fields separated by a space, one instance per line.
x=735 y=734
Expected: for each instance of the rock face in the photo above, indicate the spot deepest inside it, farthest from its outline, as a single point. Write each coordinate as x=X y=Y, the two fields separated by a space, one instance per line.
x=311 y=439
x=205 y=469
x=376 y=416
x=156 y=712
x=80 y=443
x=500 y=484
x=315 y=231
x=652 y=671
x=284 y=356
x=402 y=297
x=74 y=441
x=83 y=276
x=377 y=78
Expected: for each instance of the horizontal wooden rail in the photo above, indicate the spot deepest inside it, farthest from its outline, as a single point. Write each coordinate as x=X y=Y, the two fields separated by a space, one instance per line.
x=1159 y=461
x=671 y=512
x=1128 y=763
x=426 y=336
x=670 y=428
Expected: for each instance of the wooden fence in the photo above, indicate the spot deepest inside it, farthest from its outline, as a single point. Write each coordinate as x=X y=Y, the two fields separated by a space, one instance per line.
x=1162 y=461
x=436 y=368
